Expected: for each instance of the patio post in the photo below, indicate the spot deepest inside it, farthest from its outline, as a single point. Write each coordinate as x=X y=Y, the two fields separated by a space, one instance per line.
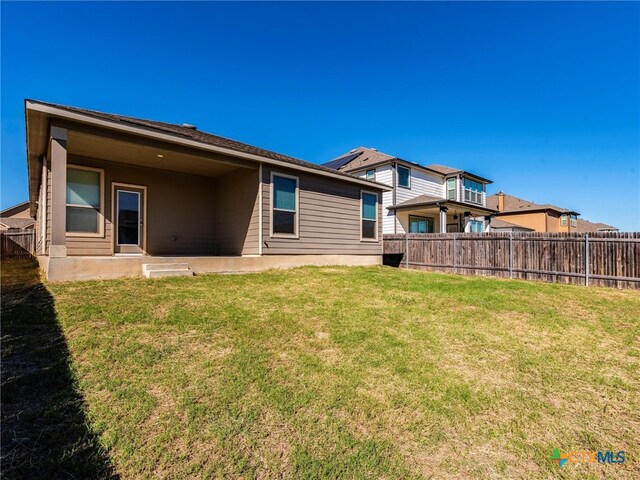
x=58 y=156
x=443 y=219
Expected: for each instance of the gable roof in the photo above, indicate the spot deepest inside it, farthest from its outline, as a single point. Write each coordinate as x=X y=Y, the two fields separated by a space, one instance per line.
x=363 y=157
x=174 y=132
x=11 y=222
x=585 y=226
x=8 y=212
x=514 y=204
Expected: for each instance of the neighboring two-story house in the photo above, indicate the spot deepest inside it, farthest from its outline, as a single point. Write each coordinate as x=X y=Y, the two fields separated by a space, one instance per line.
x=537 y=217
x=424 y=199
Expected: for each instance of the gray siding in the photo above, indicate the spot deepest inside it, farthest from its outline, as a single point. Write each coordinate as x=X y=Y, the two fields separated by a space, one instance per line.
x=329 y=213
x=236 y=216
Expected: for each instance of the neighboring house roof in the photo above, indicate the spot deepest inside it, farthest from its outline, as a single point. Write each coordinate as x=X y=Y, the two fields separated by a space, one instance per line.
x=17 y=222
x=585 y=226
x=497 y=223
x=185 y=132
x=19 y=208
x=363 y=157
x=428 y=200
x=358 y=158
x=514 y=205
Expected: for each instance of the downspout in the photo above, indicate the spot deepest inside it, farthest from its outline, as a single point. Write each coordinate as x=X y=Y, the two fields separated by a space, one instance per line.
x=393 y=193
x=260 y=209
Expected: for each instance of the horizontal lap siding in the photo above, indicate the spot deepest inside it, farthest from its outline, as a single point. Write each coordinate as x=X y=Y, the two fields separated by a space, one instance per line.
x=178 y=205
x=329 y=222
x=421 y=184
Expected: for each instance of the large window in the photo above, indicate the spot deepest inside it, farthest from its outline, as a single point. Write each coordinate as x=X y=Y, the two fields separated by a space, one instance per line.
x=404 y=177
x=369 y=212
x=84 y=201
x=473 y=191
x=371 y=174
x=284 y=205
x=451 y=189
x=420 y=224
x=476 y=226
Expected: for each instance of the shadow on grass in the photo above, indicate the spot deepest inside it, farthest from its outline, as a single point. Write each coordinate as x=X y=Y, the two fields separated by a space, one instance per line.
x=45 y=433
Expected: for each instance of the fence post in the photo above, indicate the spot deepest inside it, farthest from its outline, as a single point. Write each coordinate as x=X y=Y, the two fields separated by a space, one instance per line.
x=586 y=259
x=454 y=253
x=510 y=254
x=406 y=250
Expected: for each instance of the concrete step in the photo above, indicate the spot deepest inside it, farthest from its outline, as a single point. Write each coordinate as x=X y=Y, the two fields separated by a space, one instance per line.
x=157 y=270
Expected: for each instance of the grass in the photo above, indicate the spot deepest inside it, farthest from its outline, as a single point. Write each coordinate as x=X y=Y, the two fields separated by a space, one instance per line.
x=350 y=373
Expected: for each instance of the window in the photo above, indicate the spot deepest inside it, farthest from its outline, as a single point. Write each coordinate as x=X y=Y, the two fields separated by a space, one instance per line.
x=404 y=177
x=371 y=174
x=451 y=189
x=563 y=220
x=473 y=191
x=284 y=202
x=369 y=220
x=476 y=226
x=420 y=224
x=84 y=201
x=574 y=220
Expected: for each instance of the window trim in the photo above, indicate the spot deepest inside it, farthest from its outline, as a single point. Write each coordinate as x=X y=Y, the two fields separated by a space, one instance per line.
x=573 y=219
x=363 y=239
x=474 y=221
x=366 y=174
x=454 y=189
x=470 y=190
x=433 y=221
x=563 y=220
x=398 y=167
x=296 y=223
x=100 y=232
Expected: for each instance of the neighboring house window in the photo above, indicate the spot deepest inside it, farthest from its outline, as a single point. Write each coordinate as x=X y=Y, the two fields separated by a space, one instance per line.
x=371 y=175
x=420 y=224
x=473 y=191
x=284 y=211
x=451 y=189
x=476 y=226
x=84 y=200
x=574 y=220
x=369 y=212
x=563 y=220
x=404 y=177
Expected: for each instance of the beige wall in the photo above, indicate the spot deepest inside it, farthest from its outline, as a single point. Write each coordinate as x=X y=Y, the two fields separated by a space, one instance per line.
x=329 y=212
x=535 y=220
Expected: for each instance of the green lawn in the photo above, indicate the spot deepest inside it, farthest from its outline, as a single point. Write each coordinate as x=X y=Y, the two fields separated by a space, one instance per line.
x=345 y=372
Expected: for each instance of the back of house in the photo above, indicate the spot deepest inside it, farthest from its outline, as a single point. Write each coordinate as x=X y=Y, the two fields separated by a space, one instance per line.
x=116 y=196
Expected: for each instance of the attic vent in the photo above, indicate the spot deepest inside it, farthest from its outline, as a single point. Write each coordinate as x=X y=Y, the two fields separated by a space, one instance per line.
x=374 y=149
x=189 y=126
x=353 y=151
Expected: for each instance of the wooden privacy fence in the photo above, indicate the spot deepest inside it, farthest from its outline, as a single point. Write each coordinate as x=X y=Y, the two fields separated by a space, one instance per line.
x=603 y=259
x=17 y=244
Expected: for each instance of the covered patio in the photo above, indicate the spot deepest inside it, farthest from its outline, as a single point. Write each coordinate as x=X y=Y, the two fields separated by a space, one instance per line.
x=425 y=214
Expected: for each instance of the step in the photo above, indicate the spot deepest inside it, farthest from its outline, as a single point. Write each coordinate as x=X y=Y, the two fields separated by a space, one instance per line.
x=175 y=272
x=147 y=267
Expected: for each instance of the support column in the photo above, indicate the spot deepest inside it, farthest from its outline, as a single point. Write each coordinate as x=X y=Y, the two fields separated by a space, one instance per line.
x=58 y=158
x=467 y=218
x=443 y=219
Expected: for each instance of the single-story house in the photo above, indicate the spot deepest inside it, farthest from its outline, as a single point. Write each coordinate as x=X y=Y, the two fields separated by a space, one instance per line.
x=120 y=196
x=16 y=218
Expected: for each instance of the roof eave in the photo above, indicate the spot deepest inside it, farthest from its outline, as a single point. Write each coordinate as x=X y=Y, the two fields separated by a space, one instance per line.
x=32 y=105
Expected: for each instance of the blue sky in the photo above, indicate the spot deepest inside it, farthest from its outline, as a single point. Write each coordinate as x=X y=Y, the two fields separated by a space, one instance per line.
x=543 y=98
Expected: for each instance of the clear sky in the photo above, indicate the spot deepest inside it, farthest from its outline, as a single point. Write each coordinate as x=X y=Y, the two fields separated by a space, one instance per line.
x=542 y=98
